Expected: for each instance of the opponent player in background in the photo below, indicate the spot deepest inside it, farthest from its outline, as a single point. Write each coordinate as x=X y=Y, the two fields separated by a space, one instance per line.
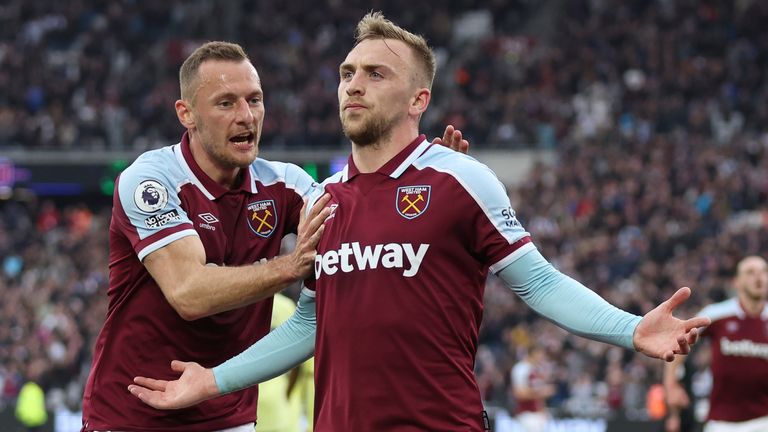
x=531 y=391
x=195 y=232
x=401 y=268
x=282 y=401
x=739 y=361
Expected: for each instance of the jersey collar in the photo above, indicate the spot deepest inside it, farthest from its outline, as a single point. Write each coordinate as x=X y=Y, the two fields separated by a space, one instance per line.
x=396 y=166
x=208 y=186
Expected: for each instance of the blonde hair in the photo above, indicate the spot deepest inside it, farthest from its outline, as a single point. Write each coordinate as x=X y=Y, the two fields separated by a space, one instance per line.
x=215 y=50
x=374 y=26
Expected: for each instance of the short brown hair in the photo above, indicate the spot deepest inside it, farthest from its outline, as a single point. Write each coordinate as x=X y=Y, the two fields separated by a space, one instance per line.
x=215 y=50
x=374 y=26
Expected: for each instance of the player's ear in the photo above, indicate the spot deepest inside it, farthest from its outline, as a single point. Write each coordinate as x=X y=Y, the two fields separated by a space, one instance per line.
x=420 y=101
x=185 y=114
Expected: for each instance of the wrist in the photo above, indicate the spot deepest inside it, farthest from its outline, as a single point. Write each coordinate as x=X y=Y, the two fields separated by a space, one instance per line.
x=286 y=269
x=211 y=387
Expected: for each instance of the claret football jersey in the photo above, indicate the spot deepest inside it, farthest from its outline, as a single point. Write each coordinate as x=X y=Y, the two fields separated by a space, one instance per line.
x=400 y=274
x=162 y=197
x=739 y=362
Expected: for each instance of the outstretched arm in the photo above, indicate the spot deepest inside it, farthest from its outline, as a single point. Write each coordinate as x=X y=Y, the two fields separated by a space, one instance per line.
x=576 y=308
x=288 y=345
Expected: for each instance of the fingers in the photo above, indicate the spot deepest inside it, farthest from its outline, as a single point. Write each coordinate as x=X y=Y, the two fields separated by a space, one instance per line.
x=464 y=146
x=683 y=347
x=696 y=322
x=455 y=140
x=448 y=135
x=319 y=206
x=315 y=238
x=317 y=215
x=138 y=391
x=678 y=298
x=668 y=356
x=151 y=383
x=303 y=213
x=178 y=366
x=692 y=336
x=147 y=396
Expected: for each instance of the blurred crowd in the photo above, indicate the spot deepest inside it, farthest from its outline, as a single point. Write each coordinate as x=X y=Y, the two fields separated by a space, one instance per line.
x=515 y=73
x=656 y=111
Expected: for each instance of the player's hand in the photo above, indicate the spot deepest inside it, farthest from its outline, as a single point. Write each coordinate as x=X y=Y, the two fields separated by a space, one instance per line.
x=195 y=385
x=676 y=396
x=310 y=230
x=672 y=423
x=452 y=139
x=663 y=336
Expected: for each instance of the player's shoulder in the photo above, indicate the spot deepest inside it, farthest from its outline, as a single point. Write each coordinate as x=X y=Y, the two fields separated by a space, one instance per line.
x=160 y=162
x=336 y=178
x=154 y=170
x=476 y=178
x=722 y=310
x=269 y=172
x=464 y=168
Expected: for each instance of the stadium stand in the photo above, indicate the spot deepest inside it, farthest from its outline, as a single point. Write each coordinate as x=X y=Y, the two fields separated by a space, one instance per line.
x=656 y=111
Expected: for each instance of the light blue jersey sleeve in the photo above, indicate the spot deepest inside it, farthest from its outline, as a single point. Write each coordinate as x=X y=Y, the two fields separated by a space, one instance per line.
x=295 y=178
x=493 y=231
x=568 y=303
x=284 y=348
x=152 y=215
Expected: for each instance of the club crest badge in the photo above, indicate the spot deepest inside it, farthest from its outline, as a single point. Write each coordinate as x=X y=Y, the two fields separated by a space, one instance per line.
x=150 y=196
x=412 y=201
x=262 y=217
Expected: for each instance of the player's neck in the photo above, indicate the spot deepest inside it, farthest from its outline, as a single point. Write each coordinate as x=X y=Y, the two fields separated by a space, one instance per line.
x=226 y=177
x=753 y=307
x=370 y=158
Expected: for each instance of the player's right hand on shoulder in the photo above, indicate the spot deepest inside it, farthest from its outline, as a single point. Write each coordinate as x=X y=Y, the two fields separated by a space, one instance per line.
x=311 y=226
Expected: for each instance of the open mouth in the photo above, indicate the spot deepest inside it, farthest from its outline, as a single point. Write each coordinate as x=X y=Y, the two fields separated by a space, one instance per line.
x=242 y=138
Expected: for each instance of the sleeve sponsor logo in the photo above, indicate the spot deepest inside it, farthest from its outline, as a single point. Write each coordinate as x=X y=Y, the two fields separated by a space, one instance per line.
x=412 y=201
x=163 y=219
x=150 y=196
x=510 y=219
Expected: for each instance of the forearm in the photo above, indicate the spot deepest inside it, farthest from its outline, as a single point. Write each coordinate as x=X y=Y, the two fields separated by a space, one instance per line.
x=212 y=289
x=670 y=377
x=288 y=345
x=568 y=303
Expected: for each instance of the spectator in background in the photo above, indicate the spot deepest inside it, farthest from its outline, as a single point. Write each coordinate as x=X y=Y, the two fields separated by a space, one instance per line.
x=31 y=410
x=682 y=211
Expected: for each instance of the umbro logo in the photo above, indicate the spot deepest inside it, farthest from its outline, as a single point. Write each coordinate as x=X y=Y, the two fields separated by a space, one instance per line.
x=208 y=219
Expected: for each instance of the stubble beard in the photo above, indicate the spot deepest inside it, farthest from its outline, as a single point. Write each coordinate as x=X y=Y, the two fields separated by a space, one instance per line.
x=368 y=131
x=219 y=154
